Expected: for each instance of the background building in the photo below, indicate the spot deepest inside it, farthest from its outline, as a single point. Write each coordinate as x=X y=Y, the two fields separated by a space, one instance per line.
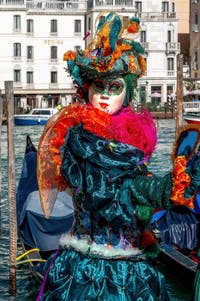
x=183 y=15
x=195 y=39
x=35 y=35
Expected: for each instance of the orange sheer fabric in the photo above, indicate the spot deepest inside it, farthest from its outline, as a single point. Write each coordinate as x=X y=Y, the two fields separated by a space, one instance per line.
x=181 y=180
x=50 y=181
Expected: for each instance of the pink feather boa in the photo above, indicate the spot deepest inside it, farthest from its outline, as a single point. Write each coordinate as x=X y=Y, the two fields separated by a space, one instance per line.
x=137 y=129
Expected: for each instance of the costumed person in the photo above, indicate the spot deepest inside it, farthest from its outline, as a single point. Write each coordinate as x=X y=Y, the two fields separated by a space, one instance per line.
x=99 y=147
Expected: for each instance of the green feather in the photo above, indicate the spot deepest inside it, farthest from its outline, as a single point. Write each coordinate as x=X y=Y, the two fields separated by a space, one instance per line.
x=115 y=29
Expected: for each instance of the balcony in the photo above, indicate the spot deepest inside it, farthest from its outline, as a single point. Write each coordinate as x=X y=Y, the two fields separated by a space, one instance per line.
x=170 y=73
x=17 y=58
x=156 y=16
x=191 y=107
x=17 y=85
x=53 y=60
x=30 y=86
x=66 y=6
x=108 y=4
x=53 y=86
x=195 y=27
x=172 y=47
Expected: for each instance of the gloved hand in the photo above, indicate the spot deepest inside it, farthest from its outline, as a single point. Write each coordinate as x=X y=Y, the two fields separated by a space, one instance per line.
x=193 y=169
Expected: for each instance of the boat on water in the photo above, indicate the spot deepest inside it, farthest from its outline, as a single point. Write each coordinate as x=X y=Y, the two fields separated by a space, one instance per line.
x=37 y=116
x=191 y=112
x=192 y=118
x=40 y=236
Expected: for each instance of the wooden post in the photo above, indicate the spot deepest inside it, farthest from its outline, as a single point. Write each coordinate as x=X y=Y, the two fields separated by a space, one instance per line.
x=11 y=187
x=1 y=121
x=179 y=93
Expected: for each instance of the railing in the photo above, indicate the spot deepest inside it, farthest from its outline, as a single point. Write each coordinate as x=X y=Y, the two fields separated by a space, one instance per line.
x=172 y=47
x=155 y=16
x=195 y=27
x=46 y=5
x=114 y=3
x=53 y=86
x=12 y=2
x=191 y=107
x=170 y=73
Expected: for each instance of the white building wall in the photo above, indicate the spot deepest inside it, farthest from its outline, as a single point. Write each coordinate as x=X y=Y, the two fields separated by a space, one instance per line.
x=41 y=40
x=153 y=21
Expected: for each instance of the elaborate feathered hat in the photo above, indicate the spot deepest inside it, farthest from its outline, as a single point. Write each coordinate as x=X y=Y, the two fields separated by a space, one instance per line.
x=112 y=51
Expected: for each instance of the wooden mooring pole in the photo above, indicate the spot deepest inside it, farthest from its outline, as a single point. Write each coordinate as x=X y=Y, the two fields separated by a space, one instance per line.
x=1 y=122
x=11 y=187
x=179 y=93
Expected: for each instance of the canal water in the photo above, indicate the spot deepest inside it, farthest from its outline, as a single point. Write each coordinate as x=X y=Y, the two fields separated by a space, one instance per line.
x=27 y=286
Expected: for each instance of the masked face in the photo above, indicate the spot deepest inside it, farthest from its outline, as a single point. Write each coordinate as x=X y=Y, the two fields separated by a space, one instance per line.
x=107 y=94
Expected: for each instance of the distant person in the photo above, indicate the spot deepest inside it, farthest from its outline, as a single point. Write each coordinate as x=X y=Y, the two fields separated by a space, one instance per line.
x=59 y=106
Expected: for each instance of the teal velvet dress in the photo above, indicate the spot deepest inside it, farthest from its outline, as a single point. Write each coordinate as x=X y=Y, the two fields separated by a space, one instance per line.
x=103 y=257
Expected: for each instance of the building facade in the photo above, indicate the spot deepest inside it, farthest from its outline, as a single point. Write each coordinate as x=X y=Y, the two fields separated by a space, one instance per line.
x=183 y=15
x=195 y=39
x=36 y=34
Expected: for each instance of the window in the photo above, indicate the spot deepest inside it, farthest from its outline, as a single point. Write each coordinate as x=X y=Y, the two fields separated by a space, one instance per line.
x=53 y=77
x=17 y=23
x=77 y=26
x=54 y=54
x=169 y=36
x=143 y=36
x=195 y=65
x=169 y=89
x=138 y=5
x=29 y=77
x=29 y=52
x=53 y=28
x=17 y=75
x=165 y=6
x=17 y=50
x=195 y=26
x=89 y=23
x=29 y=26
x=102 y=19
x=196 y=19
x=170 y=64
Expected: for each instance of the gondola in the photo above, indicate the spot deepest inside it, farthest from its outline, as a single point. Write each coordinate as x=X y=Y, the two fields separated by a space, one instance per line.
x=177 y=231
x=40 y=236
x=178 y=228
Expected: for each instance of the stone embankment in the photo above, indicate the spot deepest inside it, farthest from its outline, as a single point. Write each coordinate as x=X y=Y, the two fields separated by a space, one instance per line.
x=163 y=115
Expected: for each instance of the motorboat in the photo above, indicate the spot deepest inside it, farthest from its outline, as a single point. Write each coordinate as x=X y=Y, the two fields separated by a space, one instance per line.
x=192 y=118
x=39 y=237
x=191 y=112
x=37 y=116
